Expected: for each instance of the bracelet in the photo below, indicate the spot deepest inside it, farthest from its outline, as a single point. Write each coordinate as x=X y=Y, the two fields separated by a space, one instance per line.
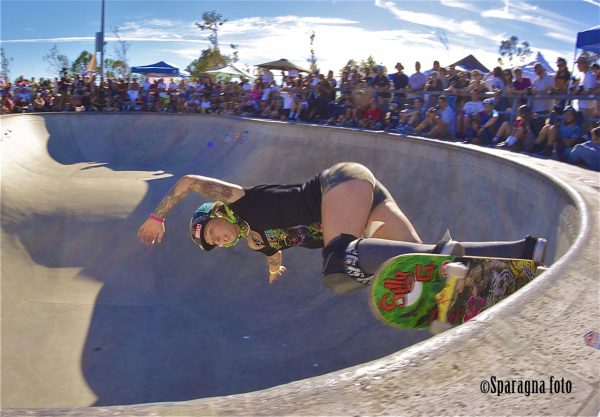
x=156 y=218
x=276 y=272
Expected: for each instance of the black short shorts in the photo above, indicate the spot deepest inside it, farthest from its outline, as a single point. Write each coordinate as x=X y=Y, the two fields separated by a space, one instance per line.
x=346 y=171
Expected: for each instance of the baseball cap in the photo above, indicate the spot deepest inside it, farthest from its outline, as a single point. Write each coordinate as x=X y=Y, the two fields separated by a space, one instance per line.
x=488 y=101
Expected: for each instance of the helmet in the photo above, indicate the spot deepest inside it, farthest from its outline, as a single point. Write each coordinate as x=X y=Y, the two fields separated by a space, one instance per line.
x=204 y=214
x=199 y=220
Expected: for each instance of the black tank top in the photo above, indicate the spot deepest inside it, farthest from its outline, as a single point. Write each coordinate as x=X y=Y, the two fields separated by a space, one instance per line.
x=284 y=215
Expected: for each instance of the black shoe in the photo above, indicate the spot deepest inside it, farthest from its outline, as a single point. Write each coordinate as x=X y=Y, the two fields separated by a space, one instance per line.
x=535 y=249
x=451 y=248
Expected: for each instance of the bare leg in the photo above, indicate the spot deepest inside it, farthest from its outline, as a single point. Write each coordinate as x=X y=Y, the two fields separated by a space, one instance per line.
x=345 y=209
x=542 y=138
x=396 y=225
x=504 y=130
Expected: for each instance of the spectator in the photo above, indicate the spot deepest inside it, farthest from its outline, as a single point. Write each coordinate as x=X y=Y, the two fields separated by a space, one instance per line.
x=502 y=101
x=587 y=86
x=477 y=82
x=439 y=121
x=337 y=110
x=322 y=95
x=483 y=128
x=392 y=118
x=39 y=103
x=520 y=135
x=411 y=117
x=587 y=153
x=267 y=77
x=562 y=77
x=543 y=84
x=495 y=80
x=416 y=83
x=372 y=117
x=565 y=135
x=521 y=84
x=469 y=114
x=8 y=106
x=333 y=85
x=435 y=68
x=382 y=86
x=288 y=100
x=400 y=82
x=433 y=85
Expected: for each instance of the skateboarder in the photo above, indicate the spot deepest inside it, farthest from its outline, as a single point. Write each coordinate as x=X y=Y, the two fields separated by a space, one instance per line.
x=345 y=210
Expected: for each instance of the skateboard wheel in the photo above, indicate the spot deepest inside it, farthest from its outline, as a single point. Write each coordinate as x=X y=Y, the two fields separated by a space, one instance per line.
x=437 y=327
x=456 y=270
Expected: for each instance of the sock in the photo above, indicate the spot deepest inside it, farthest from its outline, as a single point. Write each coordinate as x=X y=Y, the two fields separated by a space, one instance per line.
x=511 y=140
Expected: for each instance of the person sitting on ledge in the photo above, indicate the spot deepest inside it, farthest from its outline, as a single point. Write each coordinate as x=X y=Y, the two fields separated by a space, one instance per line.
x=344 y=209
x=439 y=121
x=587 y=153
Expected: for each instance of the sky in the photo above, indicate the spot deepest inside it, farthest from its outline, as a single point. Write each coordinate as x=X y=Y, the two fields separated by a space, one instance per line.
x=388 y=30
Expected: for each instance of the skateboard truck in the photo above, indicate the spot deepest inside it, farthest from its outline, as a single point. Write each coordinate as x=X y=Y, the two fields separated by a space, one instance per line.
x=454 y=271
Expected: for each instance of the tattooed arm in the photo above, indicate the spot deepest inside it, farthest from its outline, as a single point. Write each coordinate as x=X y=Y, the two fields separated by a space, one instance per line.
x=152 y=231
x=274 y=262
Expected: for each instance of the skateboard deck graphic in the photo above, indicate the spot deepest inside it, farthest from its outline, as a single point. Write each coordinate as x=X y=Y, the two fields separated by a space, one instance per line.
x=417 y=291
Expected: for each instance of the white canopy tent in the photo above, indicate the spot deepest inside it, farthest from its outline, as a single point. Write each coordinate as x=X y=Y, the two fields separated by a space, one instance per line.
x=229 y=71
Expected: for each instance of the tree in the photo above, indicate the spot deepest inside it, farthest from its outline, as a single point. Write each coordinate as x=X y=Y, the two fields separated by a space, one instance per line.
x=5 y=64
x=313 y=59
x=114 y=67
x=80 y=64
x=121 y=50
x=511 y=48
x=369 y=64
x=208 y=60
x=212 y=21
x=57 y=63
x=235 y=54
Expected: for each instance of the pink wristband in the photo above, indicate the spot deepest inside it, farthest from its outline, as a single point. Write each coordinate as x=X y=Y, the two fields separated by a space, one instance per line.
x=158 y=219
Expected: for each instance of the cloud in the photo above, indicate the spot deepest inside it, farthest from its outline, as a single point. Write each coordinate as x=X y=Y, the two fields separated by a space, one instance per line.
x=107 y=38
x=524 y=12
x=562 y=37
x=459 y=28
x=594 y=2
x=458 y=4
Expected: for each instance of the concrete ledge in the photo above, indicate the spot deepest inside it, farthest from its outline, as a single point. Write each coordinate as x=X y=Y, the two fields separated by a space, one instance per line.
x=535 y=334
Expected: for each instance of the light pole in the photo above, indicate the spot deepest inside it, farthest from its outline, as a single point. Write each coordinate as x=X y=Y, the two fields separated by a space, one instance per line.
x=101 y=42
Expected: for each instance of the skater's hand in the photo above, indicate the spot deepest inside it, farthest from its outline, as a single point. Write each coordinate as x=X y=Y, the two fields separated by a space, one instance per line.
x=151 y=232
x=275 y=276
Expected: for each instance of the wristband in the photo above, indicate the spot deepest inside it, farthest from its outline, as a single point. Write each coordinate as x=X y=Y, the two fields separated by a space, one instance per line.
x=156 y=218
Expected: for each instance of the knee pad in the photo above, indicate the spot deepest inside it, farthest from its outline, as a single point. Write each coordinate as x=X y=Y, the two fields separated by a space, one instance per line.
x=341 y=268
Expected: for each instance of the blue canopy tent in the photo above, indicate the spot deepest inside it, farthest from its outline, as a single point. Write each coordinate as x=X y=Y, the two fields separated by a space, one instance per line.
x=589 y=40
x=160 y=69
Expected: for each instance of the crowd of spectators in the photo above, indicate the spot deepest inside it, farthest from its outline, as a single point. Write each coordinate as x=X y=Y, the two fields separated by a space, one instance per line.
x=503 y=108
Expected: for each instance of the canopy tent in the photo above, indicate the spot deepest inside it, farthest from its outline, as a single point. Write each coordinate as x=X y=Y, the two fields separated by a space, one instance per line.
x=160 y=69
x=589 y=40
x=229 y=71
x=528 y=68
x=283 y=65
x=470 y=63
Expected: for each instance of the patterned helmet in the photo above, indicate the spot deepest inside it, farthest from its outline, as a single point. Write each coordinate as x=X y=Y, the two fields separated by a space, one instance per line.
x=199 y=220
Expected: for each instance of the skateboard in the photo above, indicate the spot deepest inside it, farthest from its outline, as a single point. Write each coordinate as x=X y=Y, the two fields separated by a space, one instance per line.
x=419 y=291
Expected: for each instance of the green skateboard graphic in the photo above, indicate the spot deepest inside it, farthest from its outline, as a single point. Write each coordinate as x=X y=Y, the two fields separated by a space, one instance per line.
x=417 y=291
